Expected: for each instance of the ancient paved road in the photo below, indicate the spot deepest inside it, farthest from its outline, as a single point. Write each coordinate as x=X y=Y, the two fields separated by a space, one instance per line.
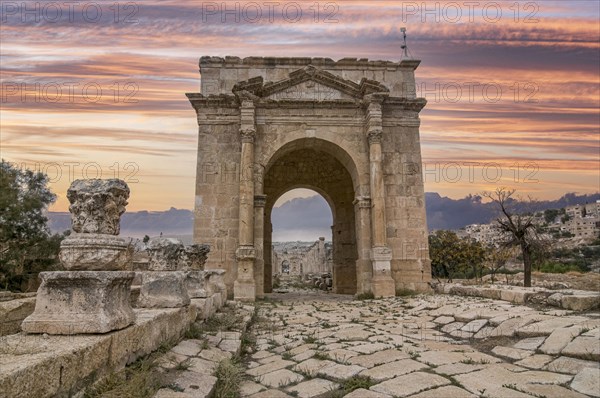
x=425 y=346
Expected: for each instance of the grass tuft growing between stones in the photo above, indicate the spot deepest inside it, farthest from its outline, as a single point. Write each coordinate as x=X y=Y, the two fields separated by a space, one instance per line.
x=139 y=380
x=405 y=292
x=349 y=385
x=229 y=374
x=365 y=296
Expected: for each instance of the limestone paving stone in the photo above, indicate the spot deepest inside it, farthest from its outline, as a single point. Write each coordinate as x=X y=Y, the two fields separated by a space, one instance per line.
x=495 y=379
x=571 y=365
x=546 y=327
x=189 y=348
x=587 y=381
x=558 y=340
x=536 y=361
x=393 y=369
x=370 y=348
x=531 y=343
x=269 y=367
x=452 y=369
x=270 y=394
x=248 y=388
x=200 y=365
x=474 y=326
x=583 y=347
x=312 y=388
x=378 y=358
x=312 y=366
x=214 y=354
x=445 y=392
x=550 y=390
x=340 y=372
x=341 y=355
x=362 y=393
x=232 y=346
x=403 y=386
x=451 y=327
x=196 y=384
x=304 y=355
x=441 y=357
x=512 y=353
x=444 y=320
x=279 y=378
x=272 y=358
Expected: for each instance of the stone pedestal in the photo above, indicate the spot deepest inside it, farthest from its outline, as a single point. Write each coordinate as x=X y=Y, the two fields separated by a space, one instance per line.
x=244 y=287
x=73 y=302
x=383 y=284
x=163 y=289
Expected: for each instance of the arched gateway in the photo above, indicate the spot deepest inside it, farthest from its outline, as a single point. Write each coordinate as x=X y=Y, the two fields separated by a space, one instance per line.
x=348 y=130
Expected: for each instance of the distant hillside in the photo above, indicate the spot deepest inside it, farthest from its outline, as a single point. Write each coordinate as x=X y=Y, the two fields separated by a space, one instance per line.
x=446 y=213
x=309 y=218
x=139 y=223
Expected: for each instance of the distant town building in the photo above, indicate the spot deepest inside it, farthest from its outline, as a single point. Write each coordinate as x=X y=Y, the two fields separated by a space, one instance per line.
x=488 y=234
x=583 y=220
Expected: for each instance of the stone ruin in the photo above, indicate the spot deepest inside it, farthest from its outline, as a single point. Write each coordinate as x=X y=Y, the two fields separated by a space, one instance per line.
x=176 y=274
x=93 y=293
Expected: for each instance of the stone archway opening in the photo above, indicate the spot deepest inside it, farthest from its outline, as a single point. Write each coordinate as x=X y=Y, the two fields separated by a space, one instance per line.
x=315 y=167
x=301 y=251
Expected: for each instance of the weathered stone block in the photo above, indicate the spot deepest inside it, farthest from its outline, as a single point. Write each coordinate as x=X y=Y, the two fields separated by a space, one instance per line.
x=12 y=314
x=72 y=302
x=580 y=302
x=163 y=289
x=196 y=283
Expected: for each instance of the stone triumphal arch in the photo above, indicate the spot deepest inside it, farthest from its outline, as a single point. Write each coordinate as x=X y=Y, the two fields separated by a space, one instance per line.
x=348 y=130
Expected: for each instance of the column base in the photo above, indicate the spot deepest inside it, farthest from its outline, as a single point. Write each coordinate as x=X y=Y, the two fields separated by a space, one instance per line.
x=244 y=288
x=383 y=287
x=244 y=291
x=74 y=302
x=383 y=284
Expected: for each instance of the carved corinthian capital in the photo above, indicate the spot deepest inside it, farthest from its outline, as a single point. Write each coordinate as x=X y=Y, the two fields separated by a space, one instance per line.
x=247 y=134
x=374 y=136
x=97 y=205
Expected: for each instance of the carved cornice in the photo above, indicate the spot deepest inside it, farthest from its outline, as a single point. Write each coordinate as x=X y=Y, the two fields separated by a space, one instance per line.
x=258 y=88
x=212 y=101
x=408 y=104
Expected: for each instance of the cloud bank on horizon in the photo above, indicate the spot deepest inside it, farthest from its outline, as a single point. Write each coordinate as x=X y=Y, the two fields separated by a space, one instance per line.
x=98 y=87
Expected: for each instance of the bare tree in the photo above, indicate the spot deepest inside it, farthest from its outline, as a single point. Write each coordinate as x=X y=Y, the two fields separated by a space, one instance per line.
x=518 y=227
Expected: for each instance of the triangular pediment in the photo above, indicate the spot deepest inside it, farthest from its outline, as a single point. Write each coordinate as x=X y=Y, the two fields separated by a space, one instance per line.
x=310 y=83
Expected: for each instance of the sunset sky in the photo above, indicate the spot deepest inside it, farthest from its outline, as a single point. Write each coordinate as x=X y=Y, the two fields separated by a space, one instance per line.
x=82 y=90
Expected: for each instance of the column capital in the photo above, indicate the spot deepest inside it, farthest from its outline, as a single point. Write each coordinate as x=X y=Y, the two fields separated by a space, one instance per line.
x=363 y=202
x=260 y=200
x=374 y=136
x=245 y=253
x=375 y=98
x=248 y=134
